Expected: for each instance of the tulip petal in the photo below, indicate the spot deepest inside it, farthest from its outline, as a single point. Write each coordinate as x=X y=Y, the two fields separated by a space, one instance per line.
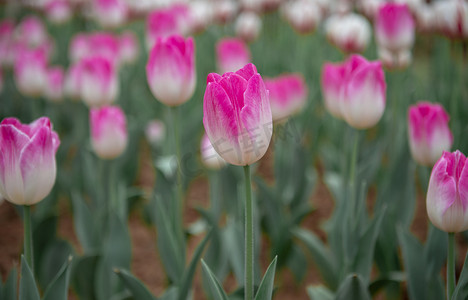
x=234 y=85
x=213 y=77
x=247 y=71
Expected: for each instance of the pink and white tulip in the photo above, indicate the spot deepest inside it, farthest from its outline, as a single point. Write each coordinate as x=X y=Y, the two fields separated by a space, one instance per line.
x=31 y=31
x=332 y=83
x=72 y=87
x=303 y=15
x=232 y=54
x=58 y=11
x=452 y=18
x=30 y=72
x=171 y=70
x=237 y=115
x=55 y=82
x=110 y=13
x=428 y=132
x=248 y=26
x=128 y=47
x=6 y=43
x=225 y=10
x=95 y=44
x=27 y=160
x=288 y=95
x=351 y=33
x=98 y=81
x=447 y=194
x=155 y=132
x=108 y=131
x=209 y=156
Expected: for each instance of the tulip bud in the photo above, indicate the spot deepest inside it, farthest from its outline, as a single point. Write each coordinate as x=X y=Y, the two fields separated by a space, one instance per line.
x=54 y=87
x=108 y=131
x=171 y=70
x=30 y=72
x=237 y=115
x=363 y=101
x=428 y=132
x=58 y=11
x=31 y=31
x=447 y=194
x=155 y=132
x=95 y=44
x=232 y=54
x=248 y=26
x=98 y=81
x=6 y=43
x=201 y=15
x=209 y=156
x=303 y=15
x=288 y=95
x=452 y=18
x=27 y=160
x=128 y=47
x=333 y=77
x=110 y=13
x=225 y=10
x=350 y=33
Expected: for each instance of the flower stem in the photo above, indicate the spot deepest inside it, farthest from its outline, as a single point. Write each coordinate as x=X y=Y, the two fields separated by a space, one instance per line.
x=451 y=265
x=354 y=156
x=28 y=236
x=249 y=239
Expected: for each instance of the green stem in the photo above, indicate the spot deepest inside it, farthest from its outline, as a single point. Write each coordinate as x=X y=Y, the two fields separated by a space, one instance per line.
x=451 y=265
x=354 y=156
x=249 y=239
x=28 y=236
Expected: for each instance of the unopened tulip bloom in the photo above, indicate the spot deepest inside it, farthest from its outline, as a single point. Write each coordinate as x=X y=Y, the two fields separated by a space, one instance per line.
x=428 y=132
x=55 y=82
x=110 y=13
x=31 y=31
x=128 y=47
x=225 y=10
x=288 y=95
x=201 y=15
x=209 y=156
x=6 y=43
x=237 y=115
x=232 y=54
x=248 y=26
x=98 y=81
x=451 y=18
x=58 y=11
x=171 y=70
x=108 y=131
x=27 y=160
x=447 y=194
x=155 y=132
x=30 y=72
x=332 y=82
x=95 y=44
x=350 y=33
x=303 y=15
x=363 y=101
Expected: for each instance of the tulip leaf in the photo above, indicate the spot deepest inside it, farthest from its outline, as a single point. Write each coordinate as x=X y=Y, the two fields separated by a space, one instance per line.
x=84 y=224
x=10 y=286
x=28 y=289
x=265 y=289
x=320 y=255
x=461 y=290
x=319 y=292
x=234 y=240
x=84 y=274
x=435 y=251
x=136 y=287
x=52 y=260
x=58 y=288
x=385 y=280
x=353 y=288
x=186 y=282
x=215 y=287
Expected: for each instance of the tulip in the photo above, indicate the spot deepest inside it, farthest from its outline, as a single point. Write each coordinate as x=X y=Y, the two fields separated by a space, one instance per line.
x=110 y=13
x=237 y=115
x=27 y=160
x=108 y=131
x=31 y=31
x=225 y=10
x=350 y=33
x=6 y=40
x=452 y=18
x=248 y=26
x=30 y=72
x=428 y=132
x=155 y=132
x=333 y=76
x=303 y=15
x=209 y=156
x=447 y=194
x=288 y=95
x=58 y=11
x=95 y=44
x=171 y=70
x=232 y=54
x=201 y=15
x=128 y=47
x=54 y=87
x=98 y=81
x=72 y=86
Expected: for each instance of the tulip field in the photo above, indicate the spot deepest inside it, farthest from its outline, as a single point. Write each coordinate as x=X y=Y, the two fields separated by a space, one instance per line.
x=233 y=149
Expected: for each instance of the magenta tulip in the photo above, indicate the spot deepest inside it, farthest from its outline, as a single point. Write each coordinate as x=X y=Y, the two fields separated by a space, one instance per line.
x=288 y=95
x=171 y=70
x=447 y=194
x=108 y=131
x=394 y=28
x=55 y=82
x=27 y=160
x=110 y=13
x=451 y=18
x=30 y=72
x=232 y=54
x=428 y=132
x=237 y=115
x=333 y=78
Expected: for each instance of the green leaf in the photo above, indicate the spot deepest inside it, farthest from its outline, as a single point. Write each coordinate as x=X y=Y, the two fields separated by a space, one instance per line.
x=84 y=270
x=319 y=292
x=435 y=251
x=52 y=261
x=320 y=255
x=84 y=225
x=215 y=287
x=10 y=286
x=265 y=290
x=383 y=281
x=461 y=290
x=28 y=289
x=58 y=288
x=189 y=273
x=136 y=287
x=353 y=288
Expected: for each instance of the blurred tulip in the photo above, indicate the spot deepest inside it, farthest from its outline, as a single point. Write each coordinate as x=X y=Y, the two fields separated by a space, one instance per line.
x=248 y=26
x=58 y=11
x=31 y=31
x=209 y=156
x=171 y=70
x=428 y=132
x=232 y=54
x=72 y=86
x=237 y=115
x=27 y=160
x=95 y=44
x=332 y=83
x=288 y=95
x=6 y=43
x=110 y=13
x=30 y=72
x=128 y=47
x=155 y=132
x=108 y=131
x=225 y=10
x=452 y=18
x=303 y=15
x=350 y=33
x=1 y=81
x=447 y=194
x=201 y=15
x=55 y=82
x=98 y=81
